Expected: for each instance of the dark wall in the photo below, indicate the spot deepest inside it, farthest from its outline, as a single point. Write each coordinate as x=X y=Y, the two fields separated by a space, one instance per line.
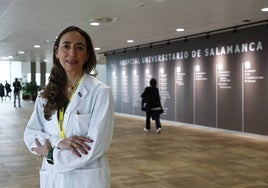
x=220 y=81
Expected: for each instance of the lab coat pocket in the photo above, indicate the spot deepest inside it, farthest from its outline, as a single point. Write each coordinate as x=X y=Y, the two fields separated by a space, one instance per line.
x=88 y=178
x=82 y=124
x=44 y=179
x=50 y=179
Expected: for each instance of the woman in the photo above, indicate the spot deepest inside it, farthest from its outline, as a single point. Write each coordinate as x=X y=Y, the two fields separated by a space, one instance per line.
x=72 y=122
x=151 y=98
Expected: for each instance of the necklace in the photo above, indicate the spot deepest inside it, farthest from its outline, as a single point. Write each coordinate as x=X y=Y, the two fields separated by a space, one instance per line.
x=70 y=89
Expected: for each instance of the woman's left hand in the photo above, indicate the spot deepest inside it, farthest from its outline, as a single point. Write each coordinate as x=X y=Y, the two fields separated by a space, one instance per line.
x=76 y=144
x=42 y=149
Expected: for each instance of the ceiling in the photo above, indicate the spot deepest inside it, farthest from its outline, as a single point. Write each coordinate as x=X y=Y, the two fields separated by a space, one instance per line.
x=24 y=23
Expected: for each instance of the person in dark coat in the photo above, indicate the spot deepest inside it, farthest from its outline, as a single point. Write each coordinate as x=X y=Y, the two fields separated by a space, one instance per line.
x=152 y=105
x=2 y=91
x=17 y=88
x=8 y=89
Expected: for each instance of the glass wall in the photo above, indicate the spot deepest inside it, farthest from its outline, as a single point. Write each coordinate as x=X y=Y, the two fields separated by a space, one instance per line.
x=9 y=71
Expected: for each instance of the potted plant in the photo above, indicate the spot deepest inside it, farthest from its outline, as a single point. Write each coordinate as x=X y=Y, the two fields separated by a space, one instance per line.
x=31 y=88
x=25 y=94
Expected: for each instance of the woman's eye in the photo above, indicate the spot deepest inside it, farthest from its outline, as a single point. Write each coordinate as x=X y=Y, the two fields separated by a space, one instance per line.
x=66 y=47
x=80 y=48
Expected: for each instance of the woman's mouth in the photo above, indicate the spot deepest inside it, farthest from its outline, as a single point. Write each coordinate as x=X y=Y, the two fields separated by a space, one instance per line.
x=72 y=62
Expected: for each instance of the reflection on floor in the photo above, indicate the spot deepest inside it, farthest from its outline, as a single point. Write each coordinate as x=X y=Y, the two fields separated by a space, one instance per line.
x=178 y=157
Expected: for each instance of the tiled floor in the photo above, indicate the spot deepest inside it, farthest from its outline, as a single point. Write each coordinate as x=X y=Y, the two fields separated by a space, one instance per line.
x=179 y=157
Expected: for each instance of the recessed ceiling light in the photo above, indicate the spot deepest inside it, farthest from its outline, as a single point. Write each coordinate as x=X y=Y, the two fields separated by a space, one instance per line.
x=97 y=48
x=37 y=46
x=95 y=23
x=49 y=41
x=140 y=4
x=246 y=21
x=264 y=9
x=21 y=52
x=99 y=20
x=180 y=30
x=130 y=41
x=45 y=60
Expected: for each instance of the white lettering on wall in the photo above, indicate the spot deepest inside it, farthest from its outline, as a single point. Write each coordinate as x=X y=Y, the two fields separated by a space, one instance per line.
x=207 y=52
x=237 y=48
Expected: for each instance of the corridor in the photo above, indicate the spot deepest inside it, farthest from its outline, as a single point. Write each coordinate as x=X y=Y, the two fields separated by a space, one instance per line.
x=179 y=157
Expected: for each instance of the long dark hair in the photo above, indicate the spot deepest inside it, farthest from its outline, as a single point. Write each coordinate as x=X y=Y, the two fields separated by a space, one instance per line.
x=53 y=92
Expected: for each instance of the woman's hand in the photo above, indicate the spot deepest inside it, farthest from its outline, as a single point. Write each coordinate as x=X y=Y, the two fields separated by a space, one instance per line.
x=42 y=149
x=76 y=144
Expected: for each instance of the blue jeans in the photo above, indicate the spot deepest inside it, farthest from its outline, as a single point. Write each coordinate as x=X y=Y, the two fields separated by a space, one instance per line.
x=16 y=94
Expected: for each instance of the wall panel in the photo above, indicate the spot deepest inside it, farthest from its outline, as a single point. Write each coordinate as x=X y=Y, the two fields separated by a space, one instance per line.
x=219 y=82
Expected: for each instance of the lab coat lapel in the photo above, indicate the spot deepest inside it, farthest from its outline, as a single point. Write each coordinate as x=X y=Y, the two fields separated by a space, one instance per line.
x=80 y=93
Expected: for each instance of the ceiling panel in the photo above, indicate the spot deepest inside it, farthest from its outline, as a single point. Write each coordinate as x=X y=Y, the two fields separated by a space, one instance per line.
x=24 y=23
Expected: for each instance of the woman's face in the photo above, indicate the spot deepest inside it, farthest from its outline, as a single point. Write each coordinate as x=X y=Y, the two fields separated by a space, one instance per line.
x=72 y=51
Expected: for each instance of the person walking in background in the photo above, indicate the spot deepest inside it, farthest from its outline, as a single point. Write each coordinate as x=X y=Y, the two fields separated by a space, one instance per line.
x=8 y=89
x=152 y=105
x=17 y=88
x=71 y=126
x=2 y=91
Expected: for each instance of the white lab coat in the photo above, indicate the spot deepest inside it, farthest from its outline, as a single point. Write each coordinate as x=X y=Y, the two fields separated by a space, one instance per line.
x=90 y=113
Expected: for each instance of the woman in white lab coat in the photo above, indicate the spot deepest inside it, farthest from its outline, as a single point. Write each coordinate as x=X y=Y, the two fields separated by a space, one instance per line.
x=72 y=123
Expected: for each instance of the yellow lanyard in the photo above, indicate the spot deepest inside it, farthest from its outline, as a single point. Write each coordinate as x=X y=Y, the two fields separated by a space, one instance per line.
x=61 y=118
x=61 y=113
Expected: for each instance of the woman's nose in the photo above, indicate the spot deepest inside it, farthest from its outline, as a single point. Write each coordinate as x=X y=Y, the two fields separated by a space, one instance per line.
x=73 y=52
